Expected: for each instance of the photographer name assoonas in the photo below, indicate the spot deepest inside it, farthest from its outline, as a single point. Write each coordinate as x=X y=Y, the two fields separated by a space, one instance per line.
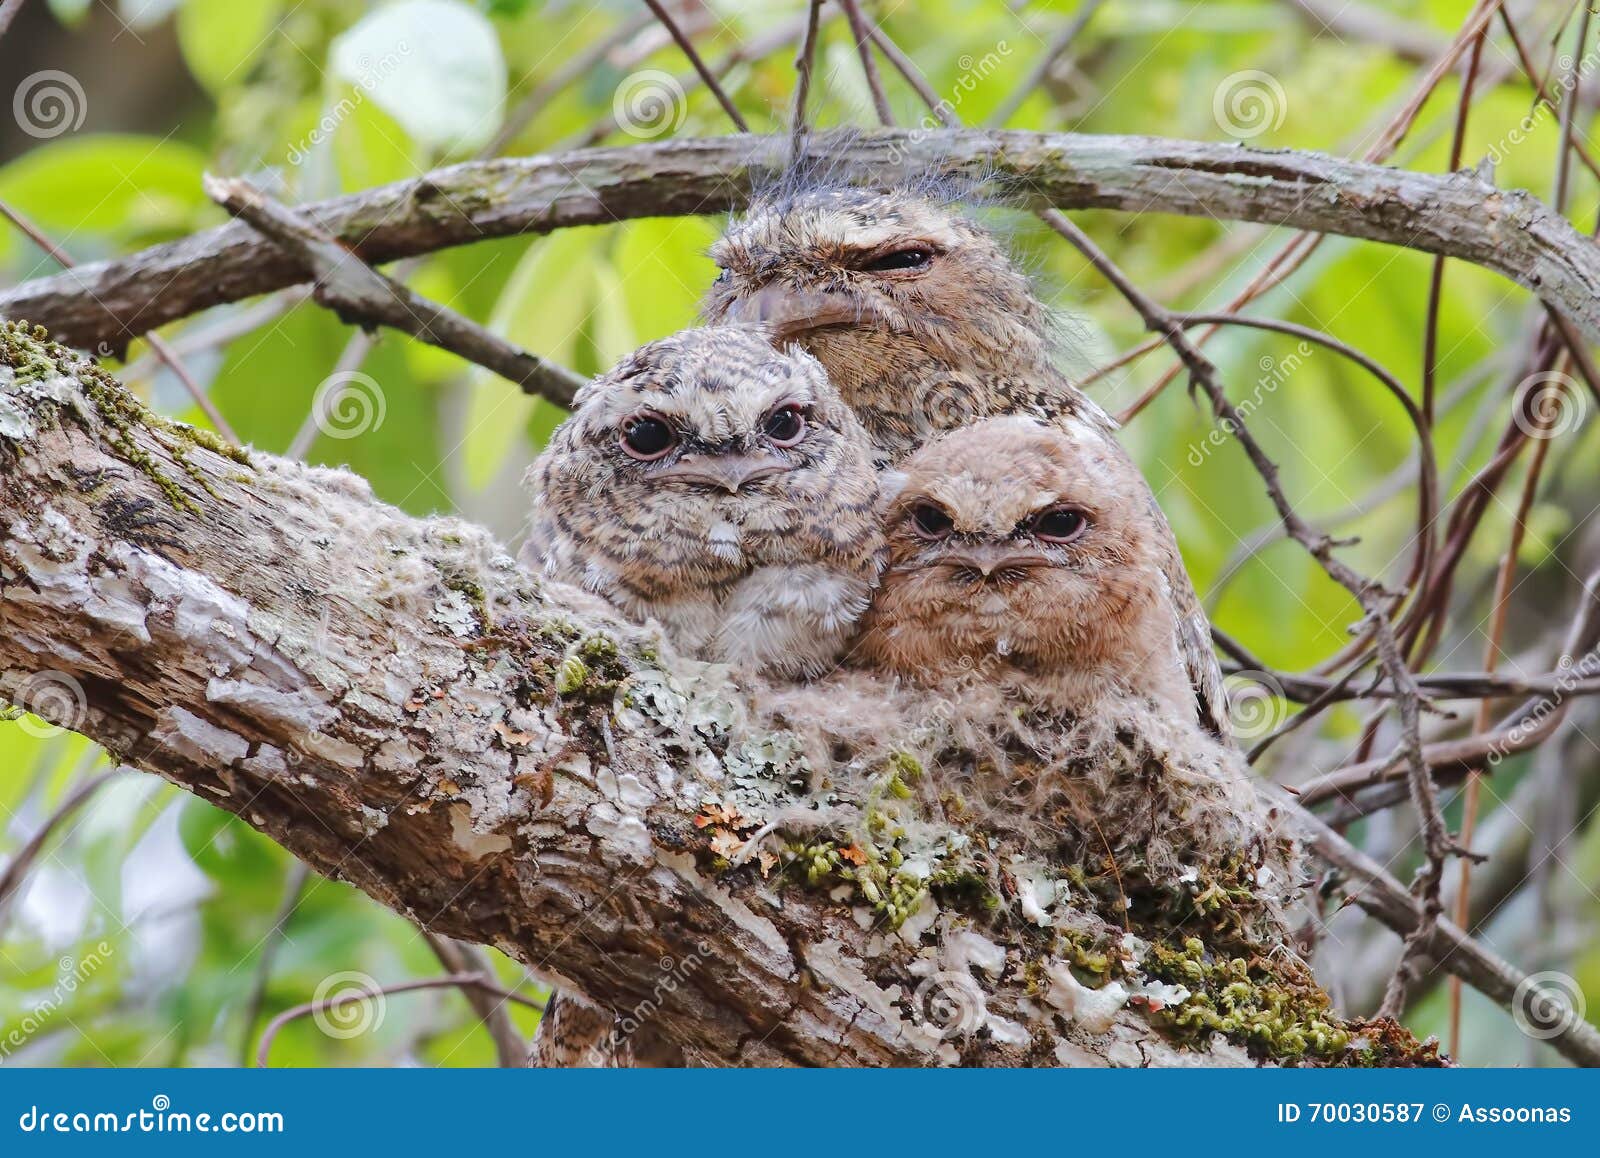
x=1513 y=1114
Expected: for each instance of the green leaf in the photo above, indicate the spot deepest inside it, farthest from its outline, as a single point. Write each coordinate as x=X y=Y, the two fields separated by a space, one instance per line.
x=664 y=267
x=612 y=334
x=221 y=40
x=435 y=66
x=69 y=12
x=544 y=309
x=91 y=190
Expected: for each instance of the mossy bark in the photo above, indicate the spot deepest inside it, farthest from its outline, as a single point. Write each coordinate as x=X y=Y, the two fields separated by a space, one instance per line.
x=395 y=702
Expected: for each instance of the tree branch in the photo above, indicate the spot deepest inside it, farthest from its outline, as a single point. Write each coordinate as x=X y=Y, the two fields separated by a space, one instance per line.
x=502 y=762
x=359 y=293
x=1458 y=215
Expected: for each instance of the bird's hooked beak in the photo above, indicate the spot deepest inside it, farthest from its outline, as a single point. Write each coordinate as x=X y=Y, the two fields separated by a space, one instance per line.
x=988 y=558
x=726 y=472
x=791 y=314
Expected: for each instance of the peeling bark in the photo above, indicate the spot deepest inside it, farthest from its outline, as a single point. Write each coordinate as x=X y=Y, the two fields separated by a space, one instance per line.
x=108 y=304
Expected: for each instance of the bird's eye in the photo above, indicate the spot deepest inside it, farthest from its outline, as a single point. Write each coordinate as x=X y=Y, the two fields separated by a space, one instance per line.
x=647 y=437
x=786 y=425
x=908 y=257
x=1059 y=524
x=931 y=522
x=724 y=274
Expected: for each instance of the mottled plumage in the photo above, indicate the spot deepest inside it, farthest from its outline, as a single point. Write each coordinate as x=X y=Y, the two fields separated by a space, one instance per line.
x=924 y=324
x=1027 y=551
x=719 y=486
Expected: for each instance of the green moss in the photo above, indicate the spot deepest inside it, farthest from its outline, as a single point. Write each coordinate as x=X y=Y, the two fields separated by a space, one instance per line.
x=572 y=674
x=879 y=880
x=33 y=357
x=472 y=591
x=1213 y=936
x=592 y=669
x=1273 y=1007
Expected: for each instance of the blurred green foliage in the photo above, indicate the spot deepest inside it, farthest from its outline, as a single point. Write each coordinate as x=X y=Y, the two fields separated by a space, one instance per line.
x=307 y=96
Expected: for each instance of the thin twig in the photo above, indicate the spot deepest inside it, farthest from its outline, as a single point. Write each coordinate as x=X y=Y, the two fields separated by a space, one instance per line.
x=1430 y=327
x=804 y=61
x=1040 y=72
x=332 y=1004
x=16 y=870
x=1491 y=659
x=459 y=957
x=706 y=76
x=294 y=887
x=862 y=35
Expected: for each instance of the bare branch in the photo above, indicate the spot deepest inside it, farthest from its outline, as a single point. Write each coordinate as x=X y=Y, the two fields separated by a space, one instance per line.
x=1459 y=215
x=706 y=76
x=333 y=1005
x=861 y=33
x=357 y=292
